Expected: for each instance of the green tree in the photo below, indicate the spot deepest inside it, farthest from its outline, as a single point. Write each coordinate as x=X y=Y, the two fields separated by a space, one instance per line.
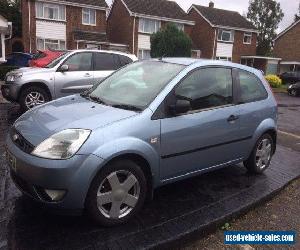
x=265 y=16
x=10 y=9
x=297 y=16
x=170 y=42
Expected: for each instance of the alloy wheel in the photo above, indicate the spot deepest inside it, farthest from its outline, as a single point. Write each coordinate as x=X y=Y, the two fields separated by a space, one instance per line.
x=293 y=92
x=118 y=194
x=263 y=153
x=34 y=99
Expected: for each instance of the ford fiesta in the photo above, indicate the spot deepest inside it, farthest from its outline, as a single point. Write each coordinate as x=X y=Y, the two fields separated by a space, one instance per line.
x=149 y=124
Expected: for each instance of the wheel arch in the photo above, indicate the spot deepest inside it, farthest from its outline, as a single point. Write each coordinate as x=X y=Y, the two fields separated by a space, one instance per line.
x=35 y=84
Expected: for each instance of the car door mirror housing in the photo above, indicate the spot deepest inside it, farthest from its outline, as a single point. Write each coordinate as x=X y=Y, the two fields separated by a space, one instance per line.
x=180 y=107
x=64 y=68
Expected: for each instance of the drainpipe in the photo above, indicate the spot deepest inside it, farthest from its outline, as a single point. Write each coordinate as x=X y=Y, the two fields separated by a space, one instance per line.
x=133 y=34
x=213 y=54
x=29 y=24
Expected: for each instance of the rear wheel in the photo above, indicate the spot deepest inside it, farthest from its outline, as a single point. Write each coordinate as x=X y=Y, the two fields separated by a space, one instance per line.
x=117 y=193
x=261 y=155
x=33 y=96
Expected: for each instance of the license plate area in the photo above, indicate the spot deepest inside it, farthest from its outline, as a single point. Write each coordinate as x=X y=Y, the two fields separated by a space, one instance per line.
x=11 y=160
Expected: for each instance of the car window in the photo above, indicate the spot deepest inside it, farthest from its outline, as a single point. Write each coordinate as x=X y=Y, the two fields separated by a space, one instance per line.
x=207 y=88
x=124 y=60
x=251 y=88
x=106 y=61
x=80 y=62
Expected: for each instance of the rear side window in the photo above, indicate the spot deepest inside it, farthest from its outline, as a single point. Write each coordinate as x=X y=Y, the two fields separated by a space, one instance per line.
x=251 y=88
x=206 y=88
x=106 y=61
x=124 y=60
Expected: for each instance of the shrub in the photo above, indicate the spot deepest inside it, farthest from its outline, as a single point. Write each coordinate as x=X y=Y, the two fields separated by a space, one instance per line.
x=4 y=70
x=274 y=81
x=170 y=42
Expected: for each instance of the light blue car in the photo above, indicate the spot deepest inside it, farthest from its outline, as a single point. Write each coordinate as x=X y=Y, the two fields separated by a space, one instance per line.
x=149 y=124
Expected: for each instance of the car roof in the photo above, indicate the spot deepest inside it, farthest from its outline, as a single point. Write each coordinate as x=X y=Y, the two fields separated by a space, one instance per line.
x=132 y=56
x=206 y=62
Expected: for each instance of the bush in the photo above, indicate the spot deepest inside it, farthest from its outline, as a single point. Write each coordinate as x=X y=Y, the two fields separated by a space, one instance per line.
x=4 y=70
x=170 y=42
x=274 y=81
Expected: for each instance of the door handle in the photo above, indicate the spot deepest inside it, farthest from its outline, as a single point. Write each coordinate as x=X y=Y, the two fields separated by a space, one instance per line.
x=232 y=118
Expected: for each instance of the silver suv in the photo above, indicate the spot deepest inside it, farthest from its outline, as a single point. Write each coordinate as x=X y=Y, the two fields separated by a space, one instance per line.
x=71 y=73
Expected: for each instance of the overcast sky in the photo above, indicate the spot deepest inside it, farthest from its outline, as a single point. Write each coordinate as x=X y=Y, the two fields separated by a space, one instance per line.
x=289 y=7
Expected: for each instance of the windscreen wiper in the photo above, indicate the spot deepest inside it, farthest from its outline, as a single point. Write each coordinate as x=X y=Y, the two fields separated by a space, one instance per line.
x=127 y=107
x=97 y=99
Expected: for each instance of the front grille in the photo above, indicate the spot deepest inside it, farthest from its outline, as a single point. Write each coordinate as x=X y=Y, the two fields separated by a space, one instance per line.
x=20 y=141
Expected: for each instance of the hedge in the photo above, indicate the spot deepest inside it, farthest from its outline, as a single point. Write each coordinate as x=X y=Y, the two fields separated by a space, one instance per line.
x=274 y=81
x=4 y=70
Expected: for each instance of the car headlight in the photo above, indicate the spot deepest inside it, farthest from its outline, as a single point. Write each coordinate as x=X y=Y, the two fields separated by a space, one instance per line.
x=12 y=77
x=62 y=145
x=291 y=86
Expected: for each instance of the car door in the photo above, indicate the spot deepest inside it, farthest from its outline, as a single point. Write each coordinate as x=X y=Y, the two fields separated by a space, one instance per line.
x=208 y=135
x=78 y=77
x=104 y=65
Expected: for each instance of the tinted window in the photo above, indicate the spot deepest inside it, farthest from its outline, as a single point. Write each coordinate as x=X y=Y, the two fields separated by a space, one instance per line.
x=105 y=61
x=79 y=62
x=251 y=88
x=207 y=88
x=124 y=60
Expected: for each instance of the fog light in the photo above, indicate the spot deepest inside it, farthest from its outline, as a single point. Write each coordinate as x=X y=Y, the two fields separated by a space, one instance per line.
x=55 y=195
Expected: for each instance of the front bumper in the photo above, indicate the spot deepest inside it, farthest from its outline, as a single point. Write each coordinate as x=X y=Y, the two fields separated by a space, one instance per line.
x=10 y=91
x=33 y=174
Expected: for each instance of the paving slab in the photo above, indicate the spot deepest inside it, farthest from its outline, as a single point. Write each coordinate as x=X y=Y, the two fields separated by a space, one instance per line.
x=177 y=212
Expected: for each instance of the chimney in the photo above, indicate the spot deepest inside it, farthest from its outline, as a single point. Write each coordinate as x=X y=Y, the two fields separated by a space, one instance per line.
x=211 y=4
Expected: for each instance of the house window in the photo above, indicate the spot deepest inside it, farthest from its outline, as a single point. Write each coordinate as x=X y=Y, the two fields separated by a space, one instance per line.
x=180 y=26
x=144 y=54
x=223 y=58
x=50 y=11
x=247 y=37
x=88 y=16
x=149 y=25
x=44 y=44
x=225 y=35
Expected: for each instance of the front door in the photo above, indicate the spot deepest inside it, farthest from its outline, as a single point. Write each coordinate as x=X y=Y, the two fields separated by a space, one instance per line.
x=78 y=77
x=208 y=135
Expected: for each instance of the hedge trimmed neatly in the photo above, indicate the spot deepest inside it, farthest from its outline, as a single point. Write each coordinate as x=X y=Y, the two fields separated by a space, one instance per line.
x=4 y=70
x=274 y=81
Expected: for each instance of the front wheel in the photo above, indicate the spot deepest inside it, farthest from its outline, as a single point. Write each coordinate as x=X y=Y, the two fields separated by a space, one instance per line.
x=293 y=92
x=117 y=193
x=260 y=157
x=33 y=96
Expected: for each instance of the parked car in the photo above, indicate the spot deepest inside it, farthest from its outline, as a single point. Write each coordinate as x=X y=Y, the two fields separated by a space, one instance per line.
x=149 y=124
x=43 y=58
x=294 y=89
x=18 y=59
x=72 y=72
x=290 y=77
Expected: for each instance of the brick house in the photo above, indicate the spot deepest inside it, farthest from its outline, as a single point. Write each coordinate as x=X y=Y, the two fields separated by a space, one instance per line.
x=222 y=34
x=63 y=24
x=132 y=22
x=287 y=47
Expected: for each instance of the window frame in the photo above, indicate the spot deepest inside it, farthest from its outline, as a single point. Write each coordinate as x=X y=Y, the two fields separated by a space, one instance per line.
x=143 y=26
x=44 y=43
x=89 y=13
x=226 y=31
x=247 y=34
x=142 y=53
x=162 y=110
x=239 y=102
x=56 y=6
x=115 y=57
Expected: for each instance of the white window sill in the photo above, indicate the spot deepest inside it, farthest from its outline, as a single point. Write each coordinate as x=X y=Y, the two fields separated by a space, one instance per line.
x=146 y=33
x=247 y=43
x=52 y=20
x=88 y=24
x=221 y=41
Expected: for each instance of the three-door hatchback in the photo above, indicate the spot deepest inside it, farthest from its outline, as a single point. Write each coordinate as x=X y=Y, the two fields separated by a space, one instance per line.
x=148 y=124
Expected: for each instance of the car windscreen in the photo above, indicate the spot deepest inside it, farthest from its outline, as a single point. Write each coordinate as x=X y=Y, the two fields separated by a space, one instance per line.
x=135 y=86
x=56 y=61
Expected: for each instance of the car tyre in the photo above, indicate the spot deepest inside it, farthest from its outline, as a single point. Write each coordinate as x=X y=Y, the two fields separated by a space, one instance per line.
x=293 y=92
x=117 y=193
x=260 y=157
x=33 y=96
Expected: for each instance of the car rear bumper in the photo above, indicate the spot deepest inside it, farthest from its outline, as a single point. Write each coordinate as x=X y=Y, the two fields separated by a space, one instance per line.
x=10 y=91
x=33 y=175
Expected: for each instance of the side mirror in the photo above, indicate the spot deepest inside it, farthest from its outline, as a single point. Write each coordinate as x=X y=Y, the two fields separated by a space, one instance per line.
x=180 y=107
x=64 y=68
